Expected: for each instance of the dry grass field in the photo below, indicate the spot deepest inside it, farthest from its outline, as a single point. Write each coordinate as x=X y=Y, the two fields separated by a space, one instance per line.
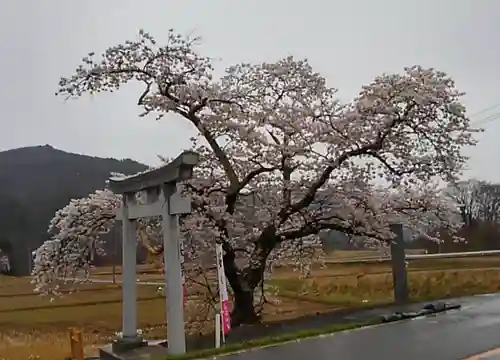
x=34 y=327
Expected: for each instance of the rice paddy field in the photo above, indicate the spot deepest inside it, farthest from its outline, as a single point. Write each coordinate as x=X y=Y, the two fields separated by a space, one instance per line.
x=36 y=327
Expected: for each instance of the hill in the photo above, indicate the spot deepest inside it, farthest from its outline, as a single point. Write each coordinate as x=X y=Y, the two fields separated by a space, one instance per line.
x=36 y=181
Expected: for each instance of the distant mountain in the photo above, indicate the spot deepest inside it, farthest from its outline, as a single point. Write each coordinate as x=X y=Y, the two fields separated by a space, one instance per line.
x=36 y=181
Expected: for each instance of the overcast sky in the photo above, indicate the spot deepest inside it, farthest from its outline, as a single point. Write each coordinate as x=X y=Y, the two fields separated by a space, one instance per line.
x=349 y=42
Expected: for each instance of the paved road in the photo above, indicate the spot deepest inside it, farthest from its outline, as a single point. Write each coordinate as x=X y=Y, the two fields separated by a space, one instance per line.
x=455 y=335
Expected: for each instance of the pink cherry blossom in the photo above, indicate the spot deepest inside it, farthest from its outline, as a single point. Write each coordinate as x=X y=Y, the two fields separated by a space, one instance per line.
x=282 y=160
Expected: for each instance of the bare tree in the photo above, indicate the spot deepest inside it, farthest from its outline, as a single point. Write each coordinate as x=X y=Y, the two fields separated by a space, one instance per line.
x=465 y=195
x=489 y=202
x=478 y=201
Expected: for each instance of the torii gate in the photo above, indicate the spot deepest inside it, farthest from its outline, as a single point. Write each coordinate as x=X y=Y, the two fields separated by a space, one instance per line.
x=162 y=199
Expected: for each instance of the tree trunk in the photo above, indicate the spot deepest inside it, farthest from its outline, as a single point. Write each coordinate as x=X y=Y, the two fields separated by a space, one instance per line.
x=243 y=283
x=243 y=311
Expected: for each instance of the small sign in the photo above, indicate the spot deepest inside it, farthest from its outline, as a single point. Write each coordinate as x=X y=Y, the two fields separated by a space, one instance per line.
x=179 y=205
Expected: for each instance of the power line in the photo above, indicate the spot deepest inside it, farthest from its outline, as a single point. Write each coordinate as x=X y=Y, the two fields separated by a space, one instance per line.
x=487 y=119
x=483 y=121
x=494 y=106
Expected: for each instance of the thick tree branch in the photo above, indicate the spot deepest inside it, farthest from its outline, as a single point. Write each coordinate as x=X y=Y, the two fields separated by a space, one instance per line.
x=373 y=147
x=308 y=198
x=384 y=162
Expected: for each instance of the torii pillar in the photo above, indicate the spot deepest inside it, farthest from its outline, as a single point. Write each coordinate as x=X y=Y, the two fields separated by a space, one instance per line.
x=160 y=186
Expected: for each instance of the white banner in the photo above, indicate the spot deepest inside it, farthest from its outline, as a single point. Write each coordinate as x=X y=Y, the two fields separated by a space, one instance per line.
x=224 y=296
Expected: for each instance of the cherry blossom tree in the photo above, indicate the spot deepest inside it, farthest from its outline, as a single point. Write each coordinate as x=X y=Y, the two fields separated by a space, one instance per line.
x=282 y=158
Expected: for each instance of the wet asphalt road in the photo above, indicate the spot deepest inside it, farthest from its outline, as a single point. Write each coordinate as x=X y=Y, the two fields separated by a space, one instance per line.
x=454 y=335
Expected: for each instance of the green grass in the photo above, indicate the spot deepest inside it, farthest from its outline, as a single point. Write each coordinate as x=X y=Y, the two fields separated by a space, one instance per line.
x=269 y=341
